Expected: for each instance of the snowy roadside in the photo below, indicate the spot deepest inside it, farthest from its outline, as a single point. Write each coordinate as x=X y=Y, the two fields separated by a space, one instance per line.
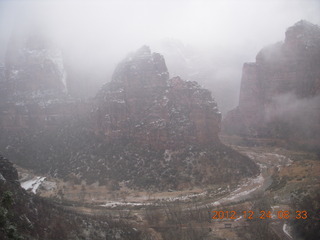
x=114 y=204
x=285 y=230
x=243 y=191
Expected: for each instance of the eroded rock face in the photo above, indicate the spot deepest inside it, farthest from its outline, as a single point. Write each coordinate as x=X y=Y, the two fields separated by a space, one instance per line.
x=280 y=92
x=143 y=104
x=34 y=68
x=33 y=89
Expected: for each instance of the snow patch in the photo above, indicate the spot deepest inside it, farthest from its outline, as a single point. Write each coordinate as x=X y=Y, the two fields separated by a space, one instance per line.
x=239 y=193
x=186 y=197
x=167 y=155
x=33 y=184
x=2 y=178
x=285 y=230
x=117 y=204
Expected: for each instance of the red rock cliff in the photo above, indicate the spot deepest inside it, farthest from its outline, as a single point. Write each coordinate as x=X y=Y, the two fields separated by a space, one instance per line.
x=280 y=92
x=142 y=103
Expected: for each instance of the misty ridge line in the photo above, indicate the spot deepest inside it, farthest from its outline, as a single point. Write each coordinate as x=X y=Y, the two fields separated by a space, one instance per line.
x=36 y=65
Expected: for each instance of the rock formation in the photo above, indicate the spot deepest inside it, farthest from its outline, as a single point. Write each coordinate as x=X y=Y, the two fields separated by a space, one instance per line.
x=34 y=68
x=143 y=104
x=280 y=92
x=142 y=129
x=33 y=89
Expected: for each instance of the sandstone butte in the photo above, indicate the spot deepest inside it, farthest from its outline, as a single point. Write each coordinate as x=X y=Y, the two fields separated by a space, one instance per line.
x=141 y=102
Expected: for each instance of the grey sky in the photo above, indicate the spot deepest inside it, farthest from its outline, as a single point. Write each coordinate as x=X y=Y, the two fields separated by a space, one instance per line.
x=127 y=24
x=101 y=33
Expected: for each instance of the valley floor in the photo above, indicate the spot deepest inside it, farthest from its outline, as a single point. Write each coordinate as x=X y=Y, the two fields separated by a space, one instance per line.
x=285 y=174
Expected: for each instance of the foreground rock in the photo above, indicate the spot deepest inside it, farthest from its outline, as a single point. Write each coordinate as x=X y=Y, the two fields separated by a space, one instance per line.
x=25 y=216
x=280 y=92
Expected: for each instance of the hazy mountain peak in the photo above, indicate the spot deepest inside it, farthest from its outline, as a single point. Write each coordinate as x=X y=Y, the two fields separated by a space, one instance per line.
x=144 y=50
x=303 y=34
x=305 y=24
x=142 y=66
